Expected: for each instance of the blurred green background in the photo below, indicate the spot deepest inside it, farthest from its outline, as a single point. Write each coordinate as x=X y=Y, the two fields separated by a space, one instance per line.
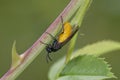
x=25 y=21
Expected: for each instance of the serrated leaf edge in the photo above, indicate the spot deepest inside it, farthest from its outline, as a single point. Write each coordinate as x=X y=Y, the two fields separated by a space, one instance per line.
x=108 y=76
x=109 y=68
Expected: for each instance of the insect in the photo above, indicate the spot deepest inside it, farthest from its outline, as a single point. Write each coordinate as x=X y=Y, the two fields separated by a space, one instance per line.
x=65 y=36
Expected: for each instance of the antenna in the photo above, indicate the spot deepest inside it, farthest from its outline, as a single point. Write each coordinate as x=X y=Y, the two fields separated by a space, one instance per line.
x=51 y=36
x=44 y=43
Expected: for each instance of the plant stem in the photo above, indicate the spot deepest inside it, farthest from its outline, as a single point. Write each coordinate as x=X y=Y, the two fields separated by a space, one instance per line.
x=77 y=20
x=29 y=55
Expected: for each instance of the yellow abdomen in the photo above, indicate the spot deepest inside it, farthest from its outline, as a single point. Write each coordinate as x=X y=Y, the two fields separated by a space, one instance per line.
x=67 y=32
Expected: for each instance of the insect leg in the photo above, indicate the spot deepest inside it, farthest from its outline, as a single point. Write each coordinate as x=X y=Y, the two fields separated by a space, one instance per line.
x=48 y=57
x=75 y=28
x=51 y=36
x=62 y=23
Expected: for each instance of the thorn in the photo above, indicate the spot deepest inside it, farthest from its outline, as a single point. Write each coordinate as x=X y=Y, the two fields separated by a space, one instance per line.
x=15 y=57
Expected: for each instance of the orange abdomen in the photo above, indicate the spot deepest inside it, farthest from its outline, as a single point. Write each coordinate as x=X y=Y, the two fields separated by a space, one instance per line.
x=67 y=32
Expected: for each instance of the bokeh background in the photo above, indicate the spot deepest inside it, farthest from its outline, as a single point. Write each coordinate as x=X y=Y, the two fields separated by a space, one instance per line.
x=25 y=21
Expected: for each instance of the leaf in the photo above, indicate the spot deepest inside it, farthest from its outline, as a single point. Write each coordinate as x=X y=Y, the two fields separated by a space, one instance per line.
x=86 y=68
x=98 y=48
x=56 y=69
x=95 y=49
x=15 y=57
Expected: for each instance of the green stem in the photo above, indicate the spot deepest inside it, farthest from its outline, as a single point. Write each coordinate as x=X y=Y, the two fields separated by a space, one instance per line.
x=29 y=55
x=71 y=48
x=77 y=20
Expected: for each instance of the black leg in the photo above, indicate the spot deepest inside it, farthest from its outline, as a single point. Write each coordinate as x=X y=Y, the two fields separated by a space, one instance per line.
x=51 y=36
x=48 y=57
x=62 y=24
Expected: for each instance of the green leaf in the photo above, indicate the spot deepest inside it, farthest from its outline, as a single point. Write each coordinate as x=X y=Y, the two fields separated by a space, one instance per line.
x=56 y=69
x=95 y=49
x=86 y=68
x=98 y=48
x=15 y=57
